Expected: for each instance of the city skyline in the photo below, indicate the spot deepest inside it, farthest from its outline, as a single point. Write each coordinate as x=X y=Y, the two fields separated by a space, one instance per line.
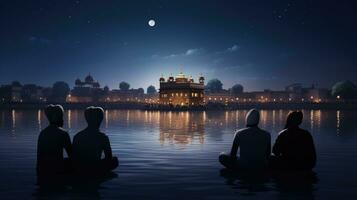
x=259 y=45
x=72 y=84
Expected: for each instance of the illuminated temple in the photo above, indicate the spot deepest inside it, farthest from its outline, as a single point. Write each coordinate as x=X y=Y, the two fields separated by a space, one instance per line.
x=181 y=91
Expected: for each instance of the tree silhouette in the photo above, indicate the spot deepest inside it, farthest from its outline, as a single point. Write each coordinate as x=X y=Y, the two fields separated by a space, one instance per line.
x=237 y=89
x=16 y=84
x=124 y=86
x=151 y=90
x=141 y=90
x=60 y=90
x=214 y=86
x=344 y=89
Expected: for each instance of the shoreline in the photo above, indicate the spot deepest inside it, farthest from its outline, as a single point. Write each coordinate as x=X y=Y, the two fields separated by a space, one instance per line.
x=208 y=107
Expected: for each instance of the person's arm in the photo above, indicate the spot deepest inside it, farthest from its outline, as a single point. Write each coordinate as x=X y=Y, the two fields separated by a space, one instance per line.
x=107 y=149
x=235 y=145
x=68 y=145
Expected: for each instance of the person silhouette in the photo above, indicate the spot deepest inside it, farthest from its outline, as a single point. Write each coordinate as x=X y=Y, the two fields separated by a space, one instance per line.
x=90 y=143
x=51 y=142
x=254 y=144
x=294 y=147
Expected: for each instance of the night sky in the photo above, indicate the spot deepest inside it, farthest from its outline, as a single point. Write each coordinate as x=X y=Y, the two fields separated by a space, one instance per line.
x=259 y=44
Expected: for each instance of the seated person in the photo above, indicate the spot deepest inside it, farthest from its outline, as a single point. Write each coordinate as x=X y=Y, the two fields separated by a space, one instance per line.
x=294 y=148
x=90 y=143
x=254 y=144
x=51 y=142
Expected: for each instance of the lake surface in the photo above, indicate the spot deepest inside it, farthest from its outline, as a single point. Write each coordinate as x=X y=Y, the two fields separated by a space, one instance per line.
x=173 y=155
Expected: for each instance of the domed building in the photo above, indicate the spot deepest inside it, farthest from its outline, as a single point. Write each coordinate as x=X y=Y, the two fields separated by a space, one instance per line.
x=88 y=82
x=181 y=91
x=85 y=91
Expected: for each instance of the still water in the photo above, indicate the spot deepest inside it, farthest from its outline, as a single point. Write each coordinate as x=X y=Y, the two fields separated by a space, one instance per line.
x=173 y=155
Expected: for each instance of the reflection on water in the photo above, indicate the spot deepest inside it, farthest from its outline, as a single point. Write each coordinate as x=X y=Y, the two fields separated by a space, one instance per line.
x=69 y=118
x=177 y=152
x=338 y=122
x=13 y=117
x=39 y=120
x=182 y=127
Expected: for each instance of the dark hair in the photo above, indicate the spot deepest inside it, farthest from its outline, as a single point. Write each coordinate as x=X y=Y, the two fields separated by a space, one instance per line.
x=294 y=119
x=54 y=114
x=94 y=116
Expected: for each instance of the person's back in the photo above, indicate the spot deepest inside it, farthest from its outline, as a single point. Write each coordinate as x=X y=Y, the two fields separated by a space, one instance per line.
x=51 y=142
x=254 y=144
x=254 y=147
x=294 y=146
x=90 y=143
x=88 y=146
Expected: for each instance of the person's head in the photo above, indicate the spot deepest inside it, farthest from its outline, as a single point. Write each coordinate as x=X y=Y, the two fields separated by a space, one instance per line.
x=294 y=119
x=94 y=116
x=54 y=114
x=252 y=118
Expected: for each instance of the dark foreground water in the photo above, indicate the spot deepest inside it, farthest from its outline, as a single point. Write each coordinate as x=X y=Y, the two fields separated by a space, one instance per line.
x=173 y=155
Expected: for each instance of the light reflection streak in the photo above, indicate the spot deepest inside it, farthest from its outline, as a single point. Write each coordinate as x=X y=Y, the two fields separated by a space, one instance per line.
x=273 y=120
x=183 y=128
x=69 y=118
x=39 y=120
x=13 y=117
x=338 y=121
x=237 y=119
x=318 y=116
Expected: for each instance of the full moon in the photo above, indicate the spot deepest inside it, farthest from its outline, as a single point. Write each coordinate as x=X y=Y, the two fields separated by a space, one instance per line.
x=151 y=22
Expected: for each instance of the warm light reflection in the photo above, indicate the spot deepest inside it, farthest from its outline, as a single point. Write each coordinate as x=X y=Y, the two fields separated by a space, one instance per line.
x=128 y=117
x=263 y=118
x=281 y=118
x=338 y=118
x=69 y=118
x=39 y=119
x=273 y=120
x=183 y=127
x=237 y=118
x=13 y=118
x=318 y=116
x=226 y=116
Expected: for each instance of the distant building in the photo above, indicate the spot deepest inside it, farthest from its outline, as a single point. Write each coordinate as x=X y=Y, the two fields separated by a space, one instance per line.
x=181 y=91
x=218 y=97
x=271 y=96
x=296 y=91
x=11 y=93
x=316 y=95
x=32 y=93
x=85 y=91
x=131 y=95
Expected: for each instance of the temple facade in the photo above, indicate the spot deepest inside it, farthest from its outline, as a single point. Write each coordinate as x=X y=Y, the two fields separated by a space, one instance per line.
x=85 y=91
x=181 y=91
